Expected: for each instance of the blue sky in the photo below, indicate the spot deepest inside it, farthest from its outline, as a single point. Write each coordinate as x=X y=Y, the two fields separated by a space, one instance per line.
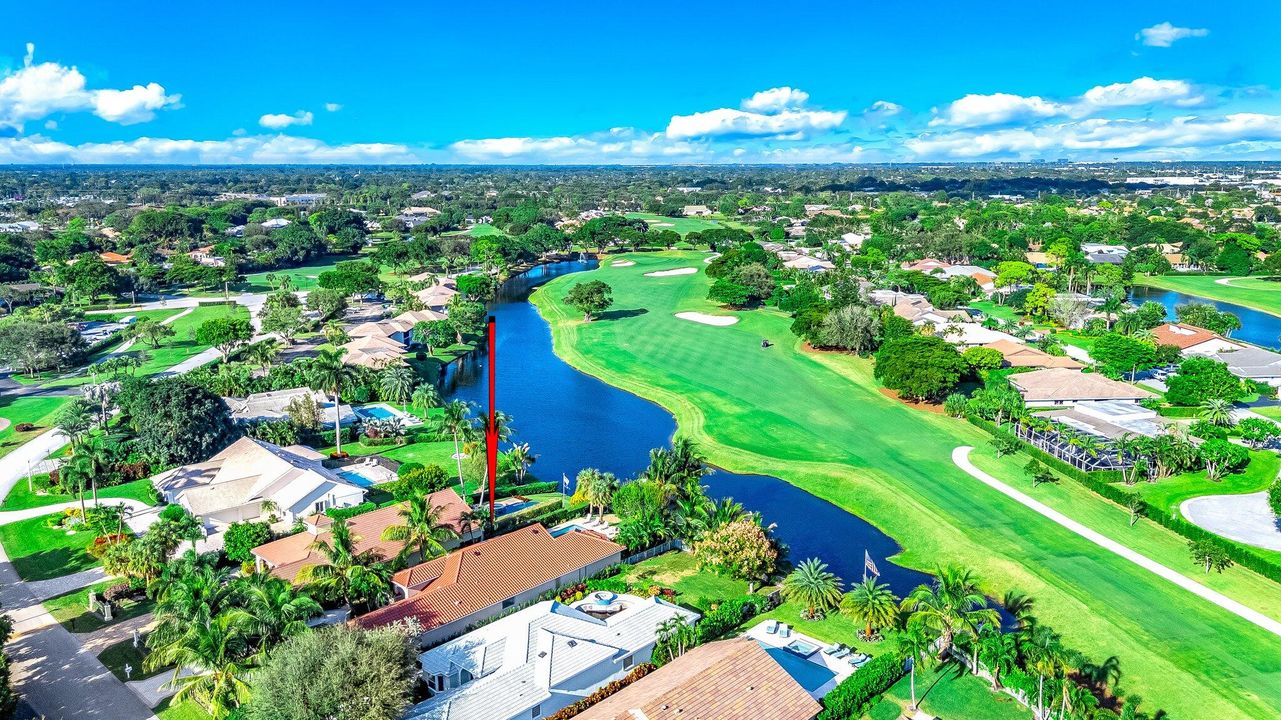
x=489 y=82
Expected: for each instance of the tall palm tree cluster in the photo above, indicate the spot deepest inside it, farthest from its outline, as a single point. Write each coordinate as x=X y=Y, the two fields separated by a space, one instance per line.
x=949 y=621
x=667 y=500
x=213 y=630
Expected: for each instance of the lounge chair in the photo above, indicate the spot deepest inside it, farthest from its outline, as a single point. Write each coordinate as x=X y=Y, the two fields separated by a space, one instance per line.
x=843 y=652
x=784 y=630
x=771 y=627
x=832 y=649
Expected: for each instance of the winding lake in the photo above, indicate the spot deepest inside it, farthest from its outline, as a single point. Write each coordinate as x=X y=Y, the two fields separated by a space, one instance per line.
x=1258 y=328
x=572 y=420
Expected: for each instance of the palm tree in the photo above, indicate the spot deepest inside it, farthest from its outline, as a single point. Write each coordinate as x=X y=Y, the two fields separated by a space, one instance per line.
x=473 y=518
x=355 y=576
x=396 y=384
x=813 y=586
x=215 y=654
x=95 y=455
x=456 y=421
x=871 y=603
x=999 y=651
x=425 y=398
x=1217 y=411
x=274 y=609
x=675 y=635
x=596 y=487
x=520 y=455
x=421 y=528
x=1045 y=654
x=951 y=605
x=335 y=334
x=328 y=373
x=77 y=473
x=1018 y=605
x=914 y=643
x=263 y=353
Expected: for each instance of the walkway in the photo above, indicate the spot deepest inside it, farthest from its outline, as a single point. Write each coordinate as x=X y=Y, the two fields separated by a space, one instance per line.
x=961 y=456
x=30 y=454
x=10 y=516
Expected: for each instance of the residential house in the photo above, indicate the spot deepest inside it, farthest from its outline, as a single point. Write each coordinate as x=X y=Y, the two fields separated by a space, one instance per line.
x=809 y=264
x=114 y=258
x=275 y=223
x=925 y=265
x=1063 y=386
x=20 y=226
x=1192 y=340
x=236 y=484
x=274 y=405
x=1108 y=419
x=373 y=351
x=725 y=680
x=966 y=335
x=696 y=211
x=538 y=660
x=287 y=556
x=1017 y=355
x=444 y=597
x=1252 y=363
x=853 y=241
x=399 y=329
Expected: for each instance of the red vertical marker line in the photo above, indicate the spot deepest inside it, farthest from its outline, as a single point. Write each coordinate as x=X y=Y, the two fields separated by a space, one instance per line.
x=491 y=431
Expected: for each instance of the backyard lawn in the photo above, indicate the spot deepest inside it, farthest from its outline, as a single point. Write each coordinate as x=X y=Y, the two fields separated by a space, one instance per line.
x=20 y=498
x=820 y=422
x=72 y=609
x=38 y=411
x=39 y=553
x=694 y=587
x=1252 y=292
x=188 y=710
x=945 y=694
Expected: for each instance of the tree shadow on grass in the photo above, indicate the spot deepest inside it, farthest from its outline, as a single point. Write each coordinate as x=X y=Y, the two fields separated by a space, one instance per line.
x=621 y=314
x=53 y=563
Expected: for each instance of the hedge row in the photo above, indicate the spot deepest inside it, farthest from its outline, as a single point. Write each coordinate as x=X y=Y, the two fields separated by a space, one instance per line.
x=1100 y=485
x=854 y=694
x=573 y=710
x=532 y=488
x=346 y=513
x=1178 y=411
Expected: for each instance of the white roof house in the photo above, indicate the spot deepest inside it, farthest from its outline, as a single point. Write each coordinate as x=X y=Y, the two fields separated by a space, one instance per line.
x=968 y=335
x=233 y=485
x=269 y=406
x=1252 y=363
x=541 y=659
x=274 y=223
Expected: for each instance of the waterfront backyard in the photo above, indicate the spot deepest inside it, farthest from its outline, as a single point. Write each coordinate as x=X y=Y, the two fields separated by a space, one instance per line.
x=808 y=418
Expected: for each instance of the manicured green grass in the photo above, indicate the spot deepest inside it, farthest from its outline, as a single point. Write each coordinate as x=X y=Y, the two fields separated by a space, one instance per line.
x=188 y=710
x=72 y=609
x=682 y=225
x=20 y=498
x=694 y=587
x=38 y=411
x=39 y=553
x=1004 y=313
x=1168 y=494
x=1252 y=292
x=943 y=693
x=1269 y=411
x=115 y=657
x=304 y=276
x=818 y=420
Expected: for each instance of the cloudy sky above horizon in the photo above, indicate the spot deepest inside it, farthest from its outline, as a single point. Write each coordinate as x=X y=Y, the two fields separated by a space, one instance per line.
x=328 y=82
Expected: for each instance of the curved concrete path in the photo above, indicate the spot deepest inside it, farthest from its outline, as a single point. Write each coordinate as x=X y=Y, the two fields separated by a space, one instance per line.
x=961 y=456
x=1245 y=518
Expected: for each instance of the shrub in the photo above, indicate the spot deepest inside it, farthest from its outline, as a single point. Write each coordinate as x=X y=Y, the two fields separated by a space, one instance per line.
x=1274 y=497
x=956 y=405
x=340 y=514
x=173 y=513
x=728 y=616
x=406 y=468
x=242 y=537
x=121 y=591
x=855 y=693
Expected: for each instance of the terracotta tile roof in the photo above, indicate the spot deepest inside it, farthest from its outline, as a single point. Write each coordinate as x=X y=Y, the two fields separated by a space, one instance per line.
x=289 y=555
x=471 y=579
x=1019 y=355
x=1181 y=336
x=725 y=680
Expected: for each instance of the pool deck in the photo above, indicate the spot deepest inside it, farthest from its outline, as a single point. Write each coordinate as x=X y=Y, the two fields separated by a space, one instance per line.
x=841 y=668
x=406 y=419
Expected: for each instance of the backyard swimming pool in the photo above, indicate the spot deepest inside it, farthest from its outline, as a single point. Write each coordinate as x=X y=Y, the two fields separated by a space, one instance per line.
x=383 y=411
x=811 y=676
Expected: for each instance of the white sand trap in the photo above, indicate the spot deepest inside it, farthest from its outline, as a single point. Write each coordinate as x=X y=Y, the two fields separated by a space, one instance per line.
x=669 y=273
x=717 y=320
x=711 y=257
x=622 y=263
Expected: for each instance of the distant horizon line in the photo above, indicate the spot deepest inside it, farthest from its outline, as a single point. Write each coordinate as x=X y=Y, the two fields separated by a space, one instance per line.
x=915 y=163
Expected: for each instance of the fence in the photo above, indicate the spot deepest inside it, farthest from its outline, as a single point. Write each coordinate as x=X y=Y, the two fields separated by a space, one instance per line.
x=655 y=551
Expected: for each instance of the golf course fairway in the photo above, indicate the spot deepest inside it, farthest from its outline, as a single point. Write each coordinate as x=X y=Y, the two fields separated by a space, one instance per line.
x=818 y=421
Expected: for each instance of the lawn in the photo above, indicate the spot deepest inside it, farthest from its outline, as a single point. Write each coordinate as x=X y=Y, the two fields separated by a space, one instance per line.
x=116 y=657
x=188 y=710
x=1252 y=292
x=694 y=587
x=682 y=225
x=303 y=276
x=20 y=498
x=945 y=694
x=72 y=609
x=1004 y=313
x=819 y=421
x=38 y=411
x=39 y=553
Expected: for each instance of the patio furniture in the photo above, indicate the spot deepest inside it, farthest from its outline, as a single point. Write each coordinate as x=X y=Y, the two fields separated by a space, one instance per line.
x=832 y=649
x=841 y=653
x=771 y=627
x=784 y=630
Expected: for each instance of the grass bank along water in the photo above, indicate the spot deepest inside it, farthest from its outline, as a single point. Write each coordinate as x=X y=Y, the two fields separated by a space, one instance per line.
x=817 y=421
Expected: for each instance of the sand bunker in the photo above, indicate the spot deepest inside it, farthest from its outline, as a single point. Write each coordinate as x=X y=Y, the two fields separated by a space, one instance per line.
x=717 y=320
x=668 y=273
x=622 y=263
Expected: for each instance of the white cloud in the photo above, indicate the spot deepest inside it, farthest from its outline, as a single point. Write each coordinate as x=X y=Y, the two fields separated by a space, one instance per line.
x=278 y=121
x=50 y=124
x=261 y=149
x=1164 y=34
x=36 y=91
x=739 y=123
x=1142 y=91
x=615 y=146
x=776 y=99
x=332 y=107
x=884 y=108
x=1102 y=138
x=995 y=109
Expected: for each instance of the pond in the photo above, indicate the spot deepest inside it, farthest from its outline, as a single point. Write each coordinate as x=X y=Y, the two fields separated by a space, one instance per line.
x=1258 y=328
x=572 y=420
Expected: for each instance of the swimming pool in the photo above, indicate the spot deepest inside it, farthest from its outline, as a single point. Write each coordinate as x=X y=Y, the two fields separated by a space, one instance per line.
x=808 y=674
x=562 y=530
x=355 y=478
x=377 y=412
x=508 y=508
